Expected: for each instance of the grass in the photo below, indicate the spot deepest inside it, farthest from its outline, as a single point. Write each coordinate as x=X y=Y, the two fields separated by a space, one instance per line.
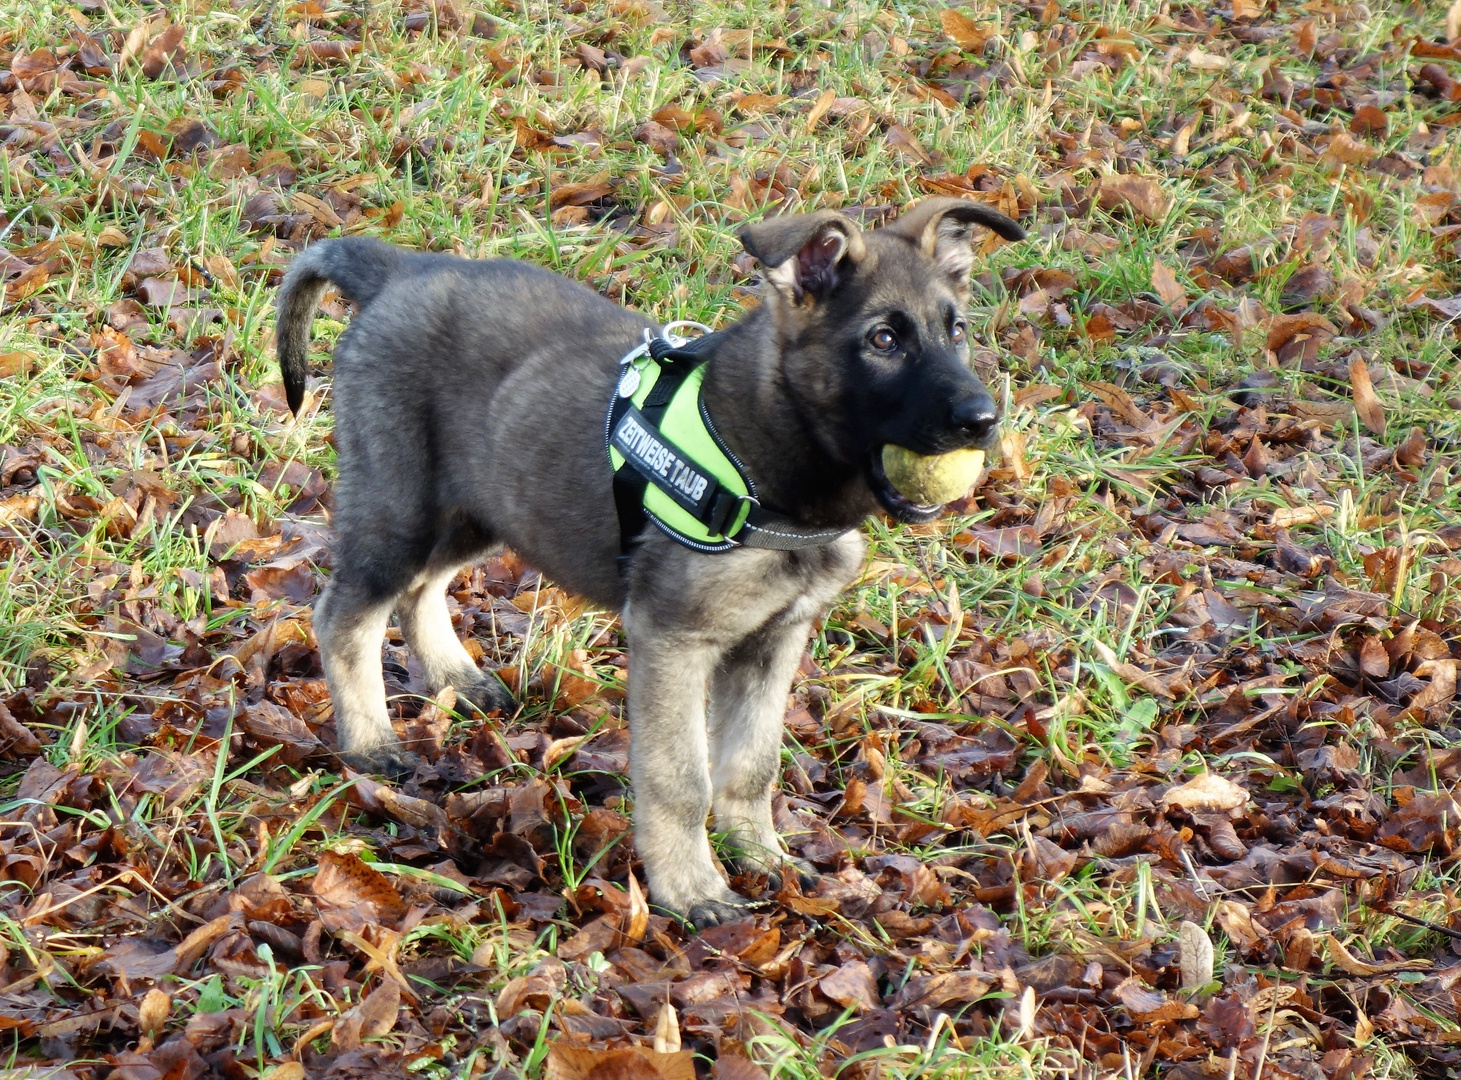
x=439 y=139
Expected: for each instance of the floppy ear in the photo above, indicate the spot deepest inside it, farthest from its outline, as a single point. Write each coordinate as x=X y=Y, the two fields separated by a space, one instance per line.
x=943 y=229
x=805 y=254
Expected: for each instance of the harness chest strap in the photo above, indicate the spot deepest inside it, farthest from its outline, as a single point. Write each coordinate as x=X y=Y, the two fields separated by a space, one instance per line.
x=671 y=467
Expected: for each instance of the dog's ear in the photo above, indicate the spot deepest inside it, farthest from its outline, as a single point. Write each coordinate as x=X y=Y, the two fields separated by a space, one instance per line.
x=805 y=254
x=943 y=229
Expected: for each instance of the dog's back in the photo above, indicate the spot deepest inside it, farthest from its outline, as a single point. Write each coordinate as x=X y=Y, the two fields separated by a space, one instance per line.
x=444 y=385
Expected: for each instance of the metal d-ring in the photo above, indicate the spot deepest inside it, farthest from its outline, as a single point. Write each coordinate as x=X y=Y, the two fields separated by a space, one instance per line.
x=677 y=339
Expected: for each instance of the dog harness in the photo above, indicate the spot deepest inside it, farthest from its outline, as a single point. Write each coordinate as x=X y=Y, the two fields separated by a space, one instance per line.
x=670 y=465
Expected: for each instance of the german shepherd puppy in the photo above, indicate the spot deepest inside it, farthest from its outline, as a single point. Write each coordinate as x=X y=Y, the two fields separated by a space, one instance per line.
x=469 y=401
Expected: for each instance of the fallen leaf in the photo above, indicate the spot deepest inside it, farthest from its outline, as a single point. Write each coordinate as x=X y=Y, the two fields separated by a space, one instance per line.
x=1205 y=793
x=1353 y=965
x=899 y=139
x=635 y=1063
x=1196 y=956
x=964 y=31
x=852 y=986
x=636 y=919
x=16 y=363
x=1344 y=149
x=376 y=1015
x=820 y=107
x=1166 y=286
x=734 y=1067
x=1128 y=193
x=667 y=1031
x=1366 y=403
x=153 y=1012
x=165 y=50
x=351 y=895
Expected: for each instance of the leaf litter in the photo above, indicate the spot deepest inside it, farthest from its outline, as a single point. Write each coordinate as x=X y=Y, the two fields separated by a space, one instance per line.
x=1142 y=762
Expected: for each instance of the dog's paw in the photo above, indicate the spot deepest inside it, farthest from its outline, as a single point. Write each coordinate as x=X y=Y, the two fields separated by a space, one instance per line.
x=726 y=906
x=806 y=875
x=708 y=913
x=487 y=695
x=391 y=762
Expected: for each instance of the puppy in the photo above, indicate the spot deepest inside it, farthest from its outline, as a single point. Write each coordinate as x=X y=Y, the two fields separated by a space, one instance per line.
x=470 y=402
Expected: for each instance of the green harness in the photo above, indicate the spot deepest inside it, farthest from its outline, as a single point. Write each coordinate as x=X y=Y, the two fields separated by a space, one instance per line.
x=670 y=465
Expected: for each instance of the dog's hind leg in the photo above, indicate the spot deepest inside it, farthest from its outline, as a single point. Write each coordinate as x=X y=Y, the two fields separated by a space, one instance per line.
x=426 y=624
x=748 y=695
x=669 y=768
x=350 y=621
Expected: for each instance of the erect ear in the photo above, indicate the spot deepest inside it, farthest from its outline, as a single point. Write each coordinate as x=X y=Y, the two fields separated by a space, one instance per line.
x=805 y=255
x=943 y=229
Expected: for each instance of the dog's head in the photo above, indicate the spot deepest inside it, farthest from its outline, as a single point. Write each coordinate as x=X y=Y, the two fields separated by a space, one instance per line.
x=873 y=334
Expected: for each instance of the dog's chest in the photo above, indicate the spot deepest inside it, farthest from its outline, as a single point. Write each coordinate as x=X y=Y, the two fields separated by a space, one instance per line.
x=733 y=594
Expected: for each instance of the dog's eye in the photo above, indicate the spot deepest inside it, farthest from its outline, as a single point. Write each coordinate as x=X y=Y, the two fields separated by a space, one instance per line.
x=883 y=339
x=959 y=332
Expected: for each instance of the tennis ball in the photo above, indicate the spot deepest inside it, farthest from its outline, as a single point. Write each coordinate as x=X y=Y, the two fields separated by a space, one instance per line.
x=932 y=480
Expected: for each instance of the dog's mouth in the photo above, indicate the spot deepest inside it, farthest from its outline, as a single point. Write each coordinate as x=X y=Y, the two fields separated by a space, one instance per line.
x=899 y=506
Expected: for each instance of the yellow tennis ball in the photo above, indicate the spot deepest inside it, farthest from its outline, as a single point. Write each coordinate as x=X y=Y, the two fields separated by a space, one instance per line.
x=932 y=480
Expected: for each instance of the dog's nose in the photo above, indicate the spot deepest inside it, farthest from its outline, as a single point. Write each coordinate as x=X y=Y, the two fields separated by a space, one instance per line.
x=976 y=415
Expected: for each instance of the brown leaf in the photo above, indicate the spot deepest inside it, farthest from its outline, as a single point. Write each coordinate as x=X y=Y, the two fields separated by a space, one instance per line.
x=820 y=107
x=1147 y=1005
x=751 y=104
x=1353 y=965
x=155 y=292
x=1412 y=452
x=1166 y=286
x=16 y=740
x=636 y=919
x=1366 y=403
x=270 y=725
x=734 y=1067
x=1205 y=793
x=377 y=1012
x=635 y=1063
x=1306 y=285
x=164 y=50
x=153 y=1012
x=351 y=895
x=1294 y=338
x=852 y=986
x=658 y=136
x=1447 y=308
x=1426 y=823
x=578 y=194
x=964 y=31
x=901 y=140
x=1344 y=149
x=674 y=116
x=316 y=208
x=1371 y=121
x=1374 y=660
x=1132 y=194
x=667 y=1031
x=16 y=363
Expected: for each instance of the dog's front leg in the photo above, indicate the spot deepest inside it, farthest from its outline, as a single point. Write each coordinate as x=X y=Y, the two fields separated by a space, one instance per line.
x=747 y=712
x=669 y=768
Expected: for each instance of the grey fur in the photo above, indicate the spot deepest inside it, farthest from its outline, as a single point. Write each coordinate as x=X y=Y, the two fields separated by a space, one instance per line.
x=469 y=403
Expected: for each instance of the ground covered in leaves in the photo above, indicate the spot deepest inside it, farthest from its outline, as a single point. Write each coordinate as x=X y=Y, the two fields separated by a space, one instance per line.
x=1140 y=765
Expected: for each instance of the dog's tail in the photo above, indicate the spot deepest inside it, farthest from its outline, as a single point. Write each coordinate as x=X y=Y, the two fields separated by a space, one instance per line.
x=357 y=265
